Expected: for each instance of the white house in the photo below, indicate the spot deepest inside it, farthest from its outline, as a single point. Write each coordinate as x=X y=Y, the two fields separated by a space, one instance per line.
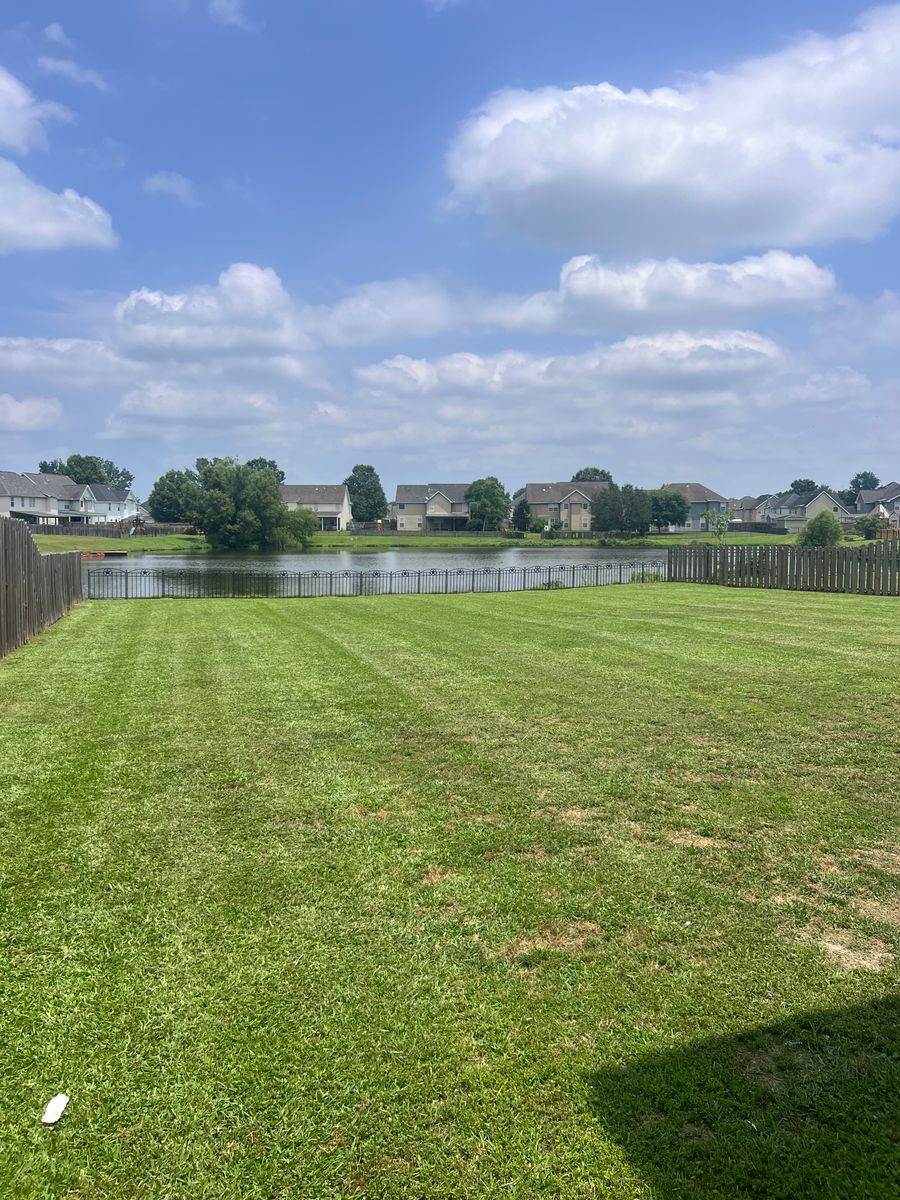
x=114 y=504
x=329 y=501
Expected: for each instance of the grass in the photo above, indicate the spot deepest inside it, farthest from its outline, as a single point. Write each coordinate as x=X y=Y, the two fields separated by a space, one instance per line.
x=550 y=894
x=168 y=543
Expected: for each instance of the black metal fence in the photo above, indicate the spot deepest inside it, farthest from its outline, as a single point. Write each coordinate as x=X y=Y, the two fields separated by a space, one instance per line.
x=111 y=583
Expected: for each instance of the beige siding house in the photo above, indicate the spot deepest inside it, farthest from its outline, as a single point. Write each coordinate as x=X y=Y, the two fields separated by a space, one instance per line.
x=701 y=500
x=568 y=503
x=430 y=507
x=794 y=510
x=329 y=501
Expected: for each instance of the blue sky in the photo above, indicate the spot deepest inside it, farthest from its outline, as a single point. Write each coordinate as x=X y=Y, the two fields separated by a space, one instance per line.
x=480 y=237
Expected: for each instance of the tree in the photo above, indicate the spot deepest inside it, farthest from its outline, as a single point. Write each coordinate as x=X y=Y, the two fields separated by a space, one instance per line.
x=717 y=523
x=869 y=524
x=668 y=508
x=635 y=509
x=488 y=502
x=823 y=530
x=808 y=485
x=88 y=468
x=239 y=508
x=367 y=499
x=266 y=464
x=864 y=481
x=173 y=497
x=606 y=510
x=592 y=475
x=521 y=517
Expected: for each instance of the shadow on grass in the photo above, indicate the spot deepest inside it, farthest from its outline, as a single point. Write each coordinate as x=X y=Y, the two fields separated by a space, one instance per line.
x=806 y=1108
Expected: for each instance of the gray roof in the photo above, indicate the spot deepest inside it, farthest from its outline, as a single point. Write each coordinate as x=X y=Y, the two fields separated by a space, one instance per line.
x=14 y=484
x=694 y=493
x=887 y=491
x=749 y=501
x=554 y=493
x=419 y=493
x=109 y=494
x=59 y=487
x=313 y=493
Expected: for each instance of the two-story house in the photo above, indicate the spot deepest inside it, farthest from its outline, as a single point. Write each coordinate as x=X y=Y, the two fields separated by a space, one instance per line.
x=567 y=503
x=21 y=498
x=794 y=510
x=701 y=500
x=69 y=501
x=329 y=501
x=884 y=500
x=430 y=507
x=114 y=504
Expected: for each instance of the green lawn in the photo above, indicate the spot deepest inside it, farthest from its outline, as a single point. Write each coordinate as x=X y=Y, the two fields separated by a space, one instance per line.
x=569 y=894
x=167 y=543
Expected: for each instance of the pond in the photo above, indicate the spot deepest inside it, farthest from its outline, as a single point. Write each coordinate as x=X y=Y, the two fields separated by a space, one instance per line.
x=162 y=574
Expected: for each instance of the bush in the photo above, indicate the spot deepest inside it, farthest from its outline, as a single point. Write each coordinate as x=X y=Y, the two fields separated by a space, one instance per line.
x=823 y=530
x=869 y=524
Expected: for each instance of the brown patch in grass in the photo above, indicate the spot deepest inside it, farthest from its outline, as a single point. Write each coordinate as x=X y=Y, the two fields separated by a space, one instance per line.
x=698 y=840
x=772 y=1064
x=886 y=911
x=692 y=777
x=482 y=819
x=635 y=828
x=562 y=938
x=849 y=951
x=827 y=864
x=697 y=1133
x=882 y=859
x=435 y=875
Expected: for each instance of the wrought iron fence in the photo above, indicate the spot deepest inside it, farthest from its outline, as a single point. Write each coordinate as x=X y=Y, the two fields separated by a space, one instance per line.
x=112 y=583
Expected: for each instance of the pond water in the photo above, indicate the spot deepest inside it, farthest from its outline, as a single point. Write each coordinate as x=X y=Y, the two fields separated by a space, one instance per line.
x=383 y=560
x=338 y=573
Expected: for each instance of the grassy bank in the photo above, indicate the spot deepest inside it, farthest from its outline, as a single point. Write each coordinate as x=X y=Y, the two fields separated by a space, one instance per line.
x=164 y=544
x=561 y=895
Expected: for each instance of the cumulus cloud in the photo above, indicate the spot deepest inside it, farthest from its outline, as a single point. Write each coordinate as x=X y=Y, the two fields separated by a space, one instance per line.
x=170 y=183
x=799 y=147
x=34 y=218
x=247 y=312
x=28 y=416
x=66 y=68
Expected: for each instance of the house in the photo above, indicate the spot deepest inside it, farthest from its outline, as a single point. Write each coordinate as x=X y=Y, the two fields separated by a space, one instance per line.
x=884 y=500
x=69 y=501
x=793 y=510
x=568 y=503
x=747 y=509
x=329 y=501
x=21 y=498
x=431 y=507
x=701 y=500
x=114 y=504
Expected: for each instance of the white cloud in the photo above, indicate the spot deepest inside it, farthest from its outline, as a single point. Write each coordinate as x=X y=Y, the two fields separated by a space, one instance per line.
x=702 y=360
x=592 y=292
x=67 y=69
x=55 y=33
x=383 y=311
x=170 y=183
x=34 y=218
x=797 y=148
x=166 y=401
x=230 y=12
x=27 y=416
x=79 y=362
x=22 y=118
x=247 y=312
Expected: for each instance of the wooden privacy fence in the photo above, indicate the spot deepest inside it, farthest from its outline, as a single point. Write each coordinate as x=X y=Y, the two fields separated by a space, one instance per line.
x=871 y=569
x=35 y=589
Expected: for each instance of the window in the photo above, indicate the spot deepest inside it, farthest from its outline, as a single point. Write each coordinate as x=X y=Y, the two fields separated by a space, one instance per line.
x=585 y=523
x=835 y=509
x=566 y=507
x=553 y=507
x=401 y=524
x=584 y=507
x=31 y=502
x=565 y=524
x=401 y=507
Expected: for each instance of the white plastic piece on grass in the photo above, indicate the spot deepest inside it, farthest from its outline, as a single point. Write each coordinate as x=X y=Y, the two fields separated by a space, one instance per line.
x=55 y=1109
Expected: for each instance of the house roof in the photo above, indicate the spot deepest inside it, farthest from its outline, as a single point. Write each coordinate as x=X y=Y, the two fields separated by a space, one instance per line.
x=887 y=491
x=14 y=484
x=109 y=494
x=59 y=487
x=694 y=493
x=555 y=493
x=313 y=493
x=419 y=493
